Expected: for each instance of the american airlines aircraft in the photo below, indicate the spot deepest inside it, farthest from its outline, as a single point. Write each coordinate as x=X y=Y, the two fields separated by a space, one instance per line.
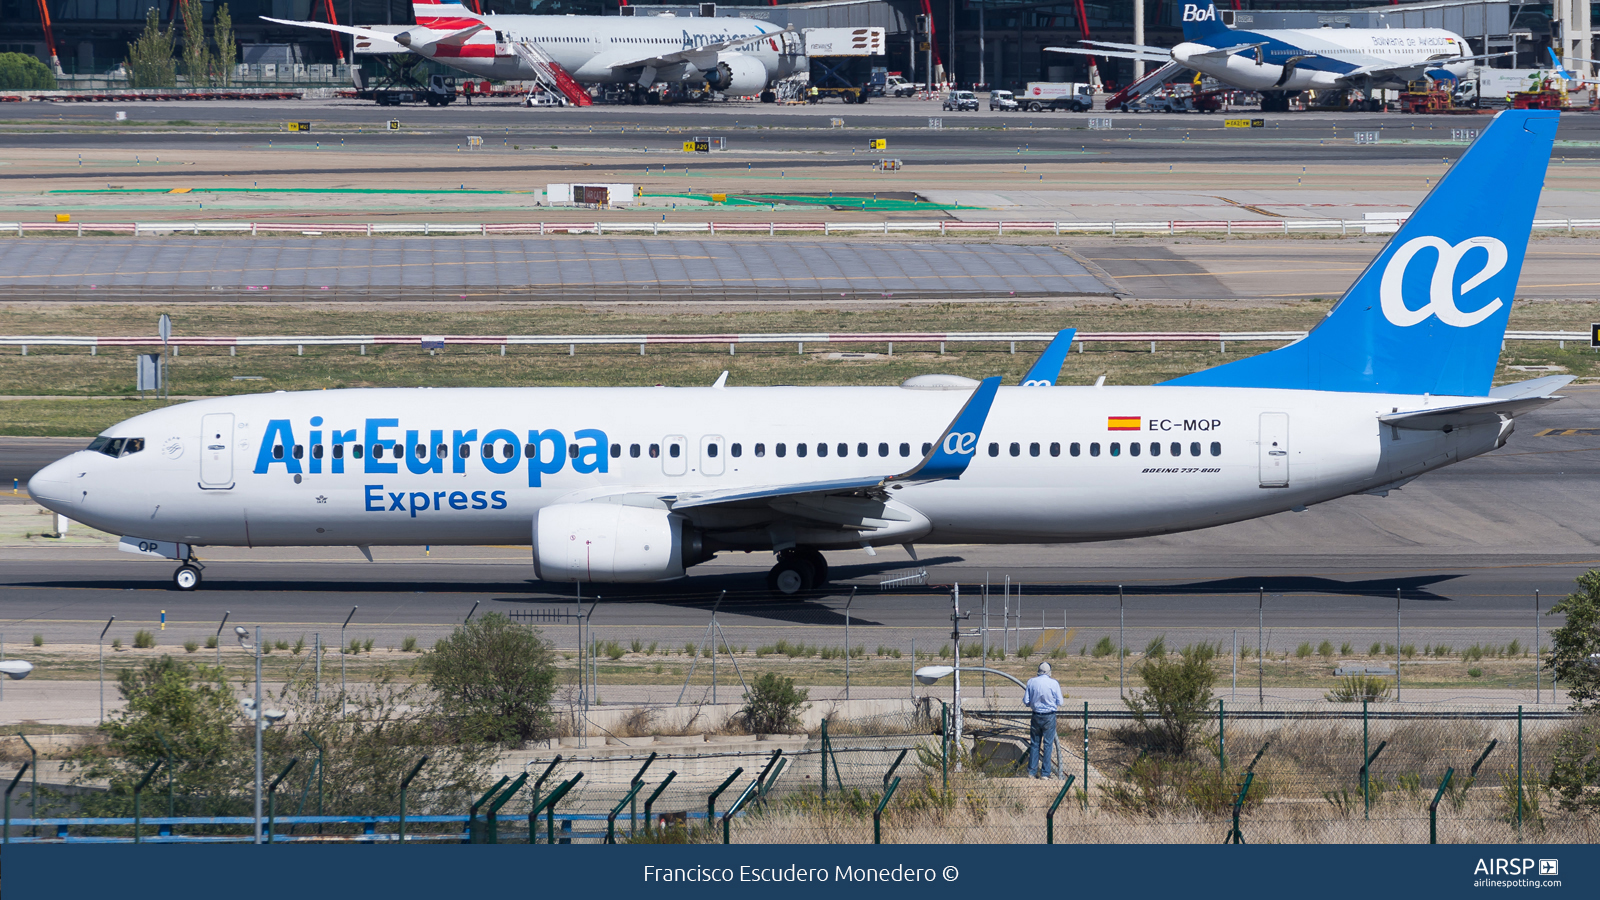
x=640 y=484
x=1280 y=63
x=734 y=55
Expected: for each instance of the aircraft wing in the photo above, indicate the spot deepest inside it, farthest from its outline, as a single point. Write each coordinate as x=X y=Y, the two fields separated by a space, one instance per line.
x=342 y=29
x=1411 y=71
x=678 y=56
x=1114 y=54
x=1225 y=52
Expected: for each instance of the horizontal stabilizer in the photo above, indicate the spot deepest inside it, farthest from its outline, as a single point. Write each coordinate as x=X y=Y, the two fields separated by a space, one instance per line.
x=1112 y=54
x=1449 y=418
x=1537 y=387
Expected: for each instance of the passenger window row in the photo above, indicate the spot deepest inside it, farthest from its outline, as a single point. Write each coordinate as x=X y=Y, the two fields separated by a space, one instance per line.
x=125 y=446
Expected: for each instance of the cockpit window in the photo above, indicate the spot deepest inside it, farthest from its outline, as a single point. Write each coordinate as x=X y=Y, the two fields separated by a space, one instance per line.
x=115 y=447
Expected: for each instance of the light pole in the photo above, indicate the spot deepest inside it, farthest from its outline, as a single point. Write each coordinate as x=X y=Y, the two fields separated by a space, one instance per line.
x=342 y=648
x=955 y=637
x=255 y=713
x=103 y=668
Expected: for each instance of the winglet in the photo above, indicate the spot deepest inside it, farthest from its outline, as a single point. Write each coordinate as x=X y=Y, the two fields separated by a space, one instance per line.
x=1045 y=372
x=959 y=442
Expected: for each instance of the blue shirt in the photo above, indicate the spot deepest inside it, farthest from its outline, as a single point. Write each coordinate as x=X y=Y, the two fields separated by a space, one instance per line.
x=1043 y=694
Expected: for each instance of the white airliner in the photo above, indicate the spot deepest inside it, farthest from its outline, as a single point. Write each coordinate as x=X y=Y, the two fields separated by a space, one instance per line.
x=640 y=484
x=737 y=56
x=1283 y=62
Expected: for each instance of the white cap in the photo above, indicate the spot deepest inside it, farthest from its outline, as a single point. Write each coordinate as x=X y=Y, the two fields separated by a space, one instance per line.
x=1044 y=668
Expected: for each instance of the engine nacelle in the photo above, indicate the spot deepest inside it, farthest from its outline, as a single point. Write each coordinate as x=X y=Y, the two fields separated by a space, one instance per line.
x=738 y=74
x=610 y=542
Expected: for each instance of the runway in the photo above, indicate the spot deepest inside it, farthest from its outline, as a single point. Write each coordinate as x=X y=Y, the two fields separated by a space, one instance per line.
x=1465 y=547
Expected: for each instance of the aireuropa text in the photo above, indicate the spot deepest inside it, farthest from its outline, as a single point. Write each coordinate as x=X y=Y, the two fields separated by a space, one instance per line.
x=793 y=873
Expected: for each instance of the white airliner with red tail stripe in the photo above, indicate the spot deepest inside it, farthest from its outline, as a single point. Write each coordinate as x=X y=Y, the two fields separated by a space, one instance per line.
x=739 y=57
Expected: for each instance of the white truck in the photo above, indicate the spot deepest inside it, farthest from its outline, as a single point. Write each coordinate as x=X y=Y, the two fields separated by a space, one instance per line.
x=1072 y=96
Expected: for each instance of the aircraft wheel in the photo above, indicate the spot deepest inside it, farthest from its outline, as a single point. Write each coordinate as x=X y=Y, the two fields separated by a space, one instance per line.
x=791 y=577
x=818 y=563
x=187 y=578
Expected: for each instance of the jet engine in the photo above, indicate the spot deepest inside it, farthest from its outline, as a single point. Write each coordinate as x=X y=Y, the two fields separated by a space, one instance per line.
x=738 y=74
x=611 y=542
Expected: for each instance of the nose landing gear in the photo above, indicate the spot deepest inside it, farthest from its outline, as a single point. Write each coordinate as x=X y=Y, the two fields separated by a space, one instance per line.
x=799 y=570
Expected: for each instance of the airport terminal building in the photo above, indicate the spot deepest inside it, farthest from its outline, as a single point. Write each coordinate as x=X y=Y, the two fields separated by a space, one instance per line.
x=997 y=43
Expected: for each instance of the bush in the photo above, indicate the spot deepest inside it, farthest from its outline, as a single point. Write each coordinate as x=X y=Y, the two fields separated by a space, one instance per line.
x=1325 y=650
x=143 y=640
x=299 y=645
x=1574 y=644
x=773 y=704
x=38 y=640
x=408 y=644
x=650 y=650
x=1103 y=648
x=355 y=647
x=1202 y=651
x=367 y=645
x=116 y=643
x=1474 y=672
x=1302 y=651
x=637 y=645
x=1408 y=650
x=282 y=645
x=211 y=642
x=150 y=62
x=1358 y=688
x=1157 y=648
x=497 y=677
x=190 y=646
x=1376 y=649
x=1345 y=648
x=1175 y=703
x=1025 y=651
x=21 y=72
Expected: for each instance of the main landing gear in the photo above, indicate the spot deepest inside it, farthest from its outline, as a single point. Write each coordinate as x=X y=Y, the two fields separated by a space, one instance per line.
x=187 y=578
x=799 y=570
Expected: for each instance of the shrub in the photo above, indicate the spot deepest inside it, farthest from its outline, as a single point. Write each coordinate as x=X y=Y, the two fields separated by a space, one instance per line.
x=858 y=652
x=651 y=650
x=1441 y=650
x=190 y=646
x=637 y=645
x=1325 y=650
x=116 y=643
x=612 y=650
x=1376 y=649
x=973 y=650
x=1025 y=651
x=299 y=645
x=1408 y=650
x=1103 y=648
x=1514 y=648
x=1302 y=651
x=1202 y=651
x=211 y=642
x=21 y=72
x=1157 y=648
x=408 y=644
x=1388 y=650
x=773 y=704
x=355 y=647
x=1345 y=649
x=282 y=645
x=1175 y=703
x=1474 y=672
x=996 y=652
x=496 y=676
x=944 y=651
x=38 y=640
x=1358 y=688
x=143 y=640
x=367 y=645
x=689 y=650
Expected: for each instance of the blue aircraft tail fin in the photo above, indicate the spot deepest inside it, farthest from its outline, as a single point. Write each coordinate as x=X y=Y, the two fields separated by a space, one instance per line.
x=1047 y=370
x=1201 y=20
x=1428 y=315
x=1560 y=69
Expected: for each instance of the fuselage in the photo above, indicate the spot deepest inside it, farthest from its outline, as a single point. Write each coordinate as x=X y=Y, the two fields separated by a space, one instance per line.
x=605 y=49
x=474 y=466
x=1325 y=58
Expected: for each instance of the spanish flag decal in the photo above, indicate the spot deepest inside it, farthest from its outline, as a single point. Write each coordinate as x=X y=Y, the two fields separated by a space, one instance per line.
x=1122 y=423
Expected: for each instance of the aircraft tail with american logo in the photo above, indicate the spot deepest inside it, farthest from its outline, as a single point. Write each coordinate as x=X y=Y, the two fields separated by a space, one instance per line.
x=1428 y=315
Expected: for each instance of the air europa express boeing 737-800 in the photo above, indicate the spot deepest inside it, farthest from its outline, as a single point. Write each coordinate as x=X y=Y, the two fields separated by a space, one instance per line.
x=640 y=484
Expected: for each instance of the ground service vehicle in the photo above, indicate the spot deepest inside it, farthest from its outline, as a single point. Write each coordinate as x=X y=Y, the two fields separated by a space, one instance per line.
x=1003 y=100
x=896 y=86
x=1069 y=96
x=961 y=101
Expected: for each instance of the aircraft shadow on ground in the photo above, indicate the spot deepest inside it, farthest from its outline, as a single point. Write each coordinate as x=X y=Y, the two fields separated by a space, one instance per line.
x=1412 y=587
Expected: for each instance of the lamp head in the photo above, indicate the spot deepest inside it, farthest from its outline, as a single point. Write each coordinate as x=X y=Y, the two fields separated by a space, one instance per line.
x=243 y=634
x=931 y=674
x=16 y=669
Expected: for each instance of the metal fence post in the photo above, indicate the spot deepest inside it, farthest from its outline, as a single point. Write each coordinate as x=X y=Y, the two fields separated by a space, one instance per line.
x=1235 y=836
x=317 y=745
x=711 y=801
x=877 y=814
x=1433 y=808
x=611 y=820
x=23 y=771
x=650 y=801
x=550 y=805
x=1222 y=737
x=1085 y=754
x=33 y=791
x=887 y=775
x=1519 y=772
x=472 y=813
x=738 y=804
x=1472 y=774
x=1366 y=795
x=944 y=746
x=272 y=796
x=533 y=818
x=823 y=755
x=405 y=783
x=492 y=816
x=1050 y=817
x=138 y=789
x=638 y=781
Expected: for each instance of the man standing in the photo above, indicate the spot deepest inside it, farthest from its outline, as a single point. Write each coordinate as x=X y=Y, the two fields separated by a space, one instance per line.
x=1043 y=696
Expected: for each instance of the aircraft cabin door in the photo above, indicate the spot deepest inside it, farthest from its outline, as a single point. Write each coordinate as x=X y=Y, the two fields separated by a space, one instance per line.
x=1274 y=450
x=711 y=450
x=675 y=461
x=216 y=451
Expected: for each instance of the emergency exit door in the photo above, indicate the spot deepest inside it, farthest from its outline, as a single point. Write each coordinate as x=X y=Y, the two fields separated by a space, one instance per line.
x=216 y=451
x=1274 y=450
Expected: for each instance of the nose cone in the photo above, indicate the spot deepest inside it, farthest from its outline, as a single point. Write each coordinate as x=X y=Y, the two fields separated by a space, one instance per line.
x=51 y=486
